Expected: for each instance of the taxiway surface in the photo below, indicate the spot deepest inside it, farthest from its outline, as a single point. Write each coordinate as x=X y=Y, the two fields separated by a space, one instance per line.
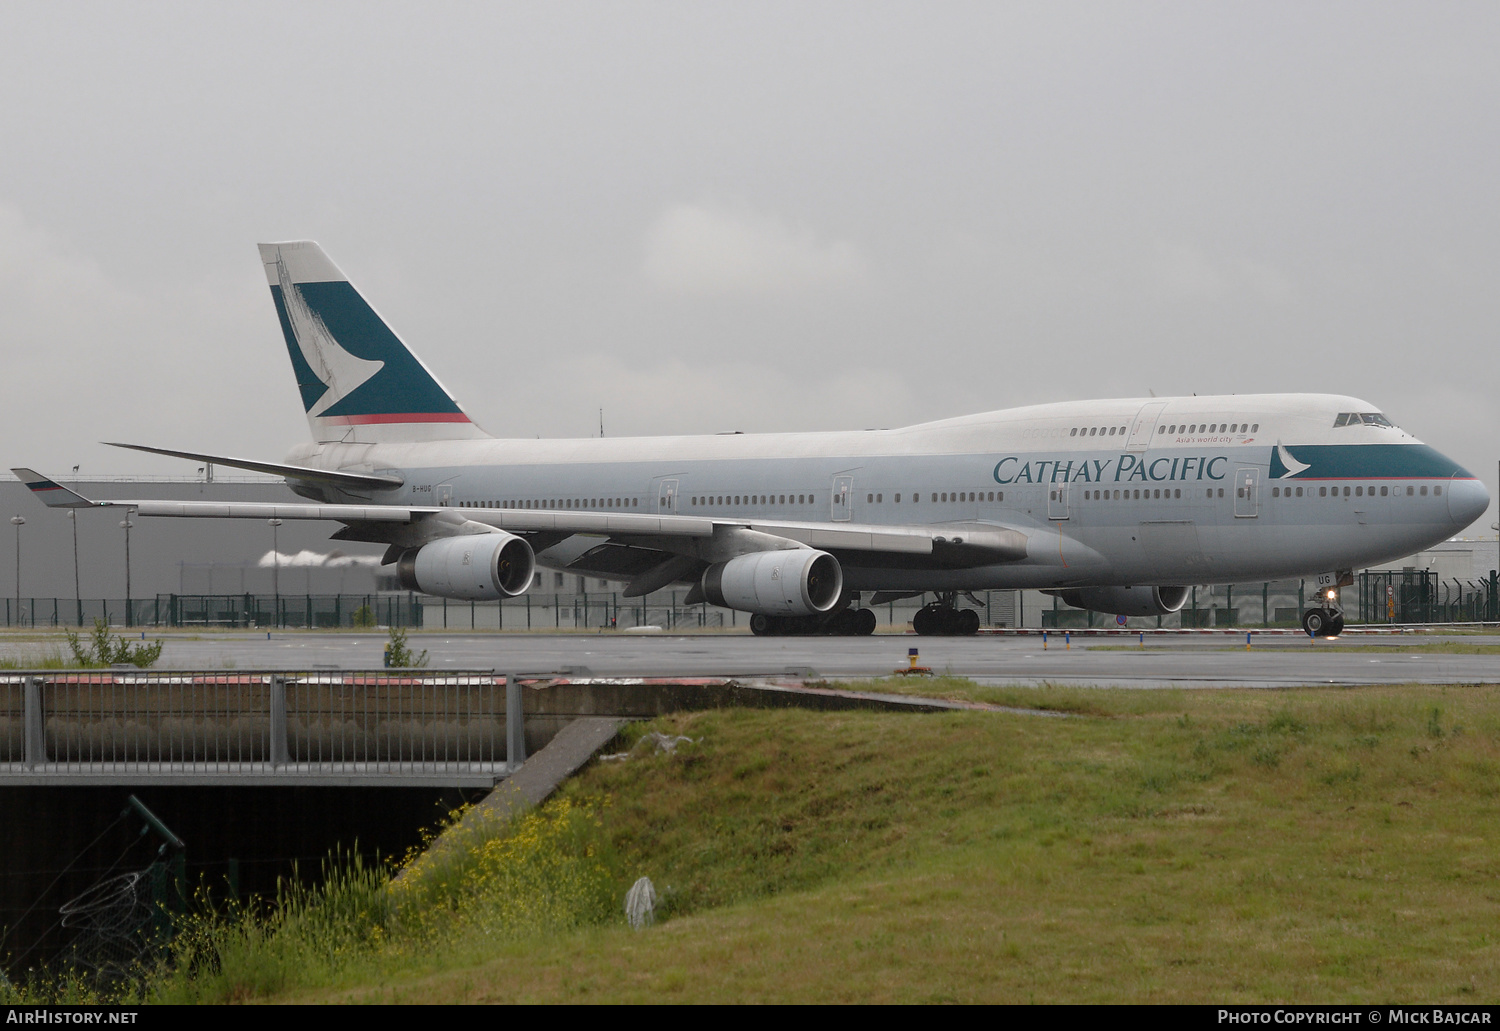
x=1179 y=662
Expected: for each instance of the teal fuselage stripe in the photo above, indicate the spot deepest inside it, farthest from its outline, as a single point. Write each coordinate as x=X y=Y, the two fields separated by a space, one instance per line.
x=1367 y=462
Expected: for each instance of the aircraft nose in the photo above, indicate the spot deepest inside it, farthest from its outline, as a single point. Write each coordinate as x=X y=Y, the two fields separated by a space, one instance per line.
x=1467 y=501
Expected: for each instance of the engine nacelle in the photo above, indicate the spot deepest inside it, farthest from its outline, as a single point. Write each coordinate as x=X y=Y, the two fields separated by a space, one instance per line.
x=796 y=582
x=1127 y=601
x=474 y=567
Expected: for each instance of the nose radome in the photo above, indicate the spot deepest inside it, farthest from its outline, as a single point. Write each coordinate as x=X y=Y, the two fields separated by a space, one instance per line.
x=1467 y=501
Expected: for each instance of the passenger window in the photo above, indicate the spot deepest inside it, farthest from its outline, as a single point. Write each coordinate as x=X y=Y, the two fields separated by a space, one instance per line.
x=1275 y=492
x=1346 y=492
x=1359 y=492
x=1299 y=492
x=1176 y=494
x=1410 y=491
x=1424 y=492
x=1093 y=430
x=1437 y=491
x=1221 y=492
x=1111 y=431
x=880 y=499
x=934 y=497
x=1000 y=495
x=896 y=498
x=1074 y=433
x=1384 y=491
x=1255 y=428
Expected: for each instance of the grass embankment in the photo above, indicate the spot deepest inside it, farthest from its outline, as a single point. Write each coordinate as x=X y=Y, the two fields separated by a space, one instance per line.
x=1308 y=845
x=1170 y=846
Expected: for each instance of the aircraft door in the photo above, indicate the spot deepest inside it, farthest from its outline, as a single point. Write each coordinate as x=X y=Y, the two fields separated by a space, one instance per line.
x=666 y=497
x=1246 y=493
x=843 y=498
x=445 y=495
x=1057 y=500
x=1143 y=426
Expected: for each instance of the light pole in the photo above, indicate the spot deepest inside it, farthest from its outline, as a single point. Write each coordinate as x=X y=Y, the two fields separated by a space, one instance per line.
x=126 y=524
x=275 y=525
x=77 y=591
x=18 y=522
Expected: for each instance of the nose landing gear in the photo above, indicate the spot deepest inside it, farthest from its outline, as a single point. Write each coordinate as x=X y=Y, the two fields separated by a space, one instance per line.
x=1327 y=620
x=1323 y=623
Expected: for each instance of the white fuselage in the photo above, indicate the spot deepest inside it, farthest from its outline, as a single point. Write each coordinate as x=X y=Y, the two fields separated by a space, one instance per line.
x=1144 y=491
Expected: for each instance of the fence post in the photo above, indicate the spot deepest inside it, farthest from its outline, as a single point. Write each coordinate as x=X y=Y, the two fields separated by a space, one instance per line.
x=280 y=751
x=36 y=727
x=515 y=722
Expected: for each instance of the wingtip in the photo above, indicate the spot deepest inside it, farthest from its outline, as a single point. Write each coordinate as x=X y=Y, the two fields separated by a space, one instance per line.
x=49 y=491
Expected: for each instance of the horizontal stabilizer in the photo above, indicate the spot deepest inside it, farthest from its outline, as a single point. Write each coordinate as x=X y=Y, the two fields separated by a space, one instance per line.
x=51 y=493
x=364 y=481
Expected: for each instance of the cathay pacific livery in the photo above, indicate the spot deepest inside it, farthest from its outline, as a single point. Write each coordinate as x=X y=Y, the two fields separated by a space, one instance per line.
x=1115 y=506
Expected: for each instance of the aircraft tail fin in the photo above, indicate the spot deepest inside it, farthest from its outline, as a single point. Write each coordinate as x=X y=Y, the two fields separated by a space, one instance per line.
x=50 y=492
x=359 y=381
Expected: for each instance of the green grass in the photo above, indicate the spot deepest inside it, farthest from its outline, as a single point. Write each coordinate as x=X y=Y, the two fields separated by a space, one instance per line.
x=1170 y=846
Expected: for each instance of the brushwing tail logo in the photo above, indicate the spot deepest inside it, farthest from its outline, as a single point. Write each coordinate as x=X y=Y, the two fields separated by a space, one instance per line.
x=341 y=372
x=1289 y=466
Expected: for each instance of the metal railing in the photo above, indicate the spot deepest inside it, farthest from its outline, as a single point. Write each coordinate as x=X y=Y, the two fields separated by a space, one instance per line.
x=118 y=727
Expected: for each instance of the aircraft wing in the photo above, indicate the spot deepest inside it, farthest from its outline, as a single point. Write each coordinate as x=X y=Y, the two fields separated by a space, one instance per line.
x=708 y=539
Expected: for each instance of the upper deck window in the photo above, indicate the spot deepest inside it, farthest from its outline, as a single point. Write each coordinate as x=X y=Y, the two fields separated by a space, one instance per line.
x=1362 y=419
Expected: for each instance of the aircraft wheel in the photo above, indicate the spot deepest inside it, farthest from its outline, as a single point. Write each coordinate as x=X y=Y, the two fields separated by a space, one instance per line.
x=1335 y=626
x=864 y=623
x=925 y=622
x=967 y=623
x=761 y=626
x=1315 y=622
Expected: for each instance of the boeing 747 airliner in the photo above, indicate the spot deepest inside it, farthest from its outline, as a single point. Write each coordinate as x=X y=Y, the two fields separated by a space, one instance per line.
x=1116 y=505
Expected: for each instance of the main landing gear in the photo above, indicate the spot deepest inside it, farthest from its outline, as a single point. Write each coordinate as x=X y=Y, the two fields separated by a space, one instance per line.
x=1326 y=620
x=943 y=618
x=849 y=622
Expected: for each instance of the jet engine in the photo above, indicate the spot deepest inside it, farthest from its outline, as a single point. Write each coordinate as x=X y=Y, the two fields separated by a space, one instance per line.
x=475 y=567
x=1126 y=601
x=796 y=582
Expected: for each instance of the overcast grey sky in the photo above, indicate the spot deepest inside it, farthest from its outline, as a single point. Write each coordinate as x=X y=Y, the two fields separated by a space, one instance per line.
x=759 y=216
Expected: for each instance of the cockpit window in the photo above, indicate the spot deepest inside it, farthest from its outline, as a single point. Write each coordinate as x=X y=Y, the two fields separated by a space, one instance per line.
x=1361 y=419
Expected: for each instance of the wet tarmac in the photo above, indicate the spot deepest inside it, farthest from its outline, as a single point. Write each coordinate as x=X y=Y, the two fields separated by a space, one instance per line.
x=1173 y=661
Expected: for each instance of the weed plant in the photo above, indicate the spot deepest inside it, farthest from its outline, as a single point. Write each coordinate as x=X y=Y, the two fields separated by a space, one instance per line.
x=540 y=873
x=103 y=649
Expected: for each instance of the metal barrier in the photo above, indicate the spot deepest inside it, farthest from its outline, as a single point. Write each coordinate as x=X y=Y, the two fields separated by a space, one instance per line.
x=327 y=728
